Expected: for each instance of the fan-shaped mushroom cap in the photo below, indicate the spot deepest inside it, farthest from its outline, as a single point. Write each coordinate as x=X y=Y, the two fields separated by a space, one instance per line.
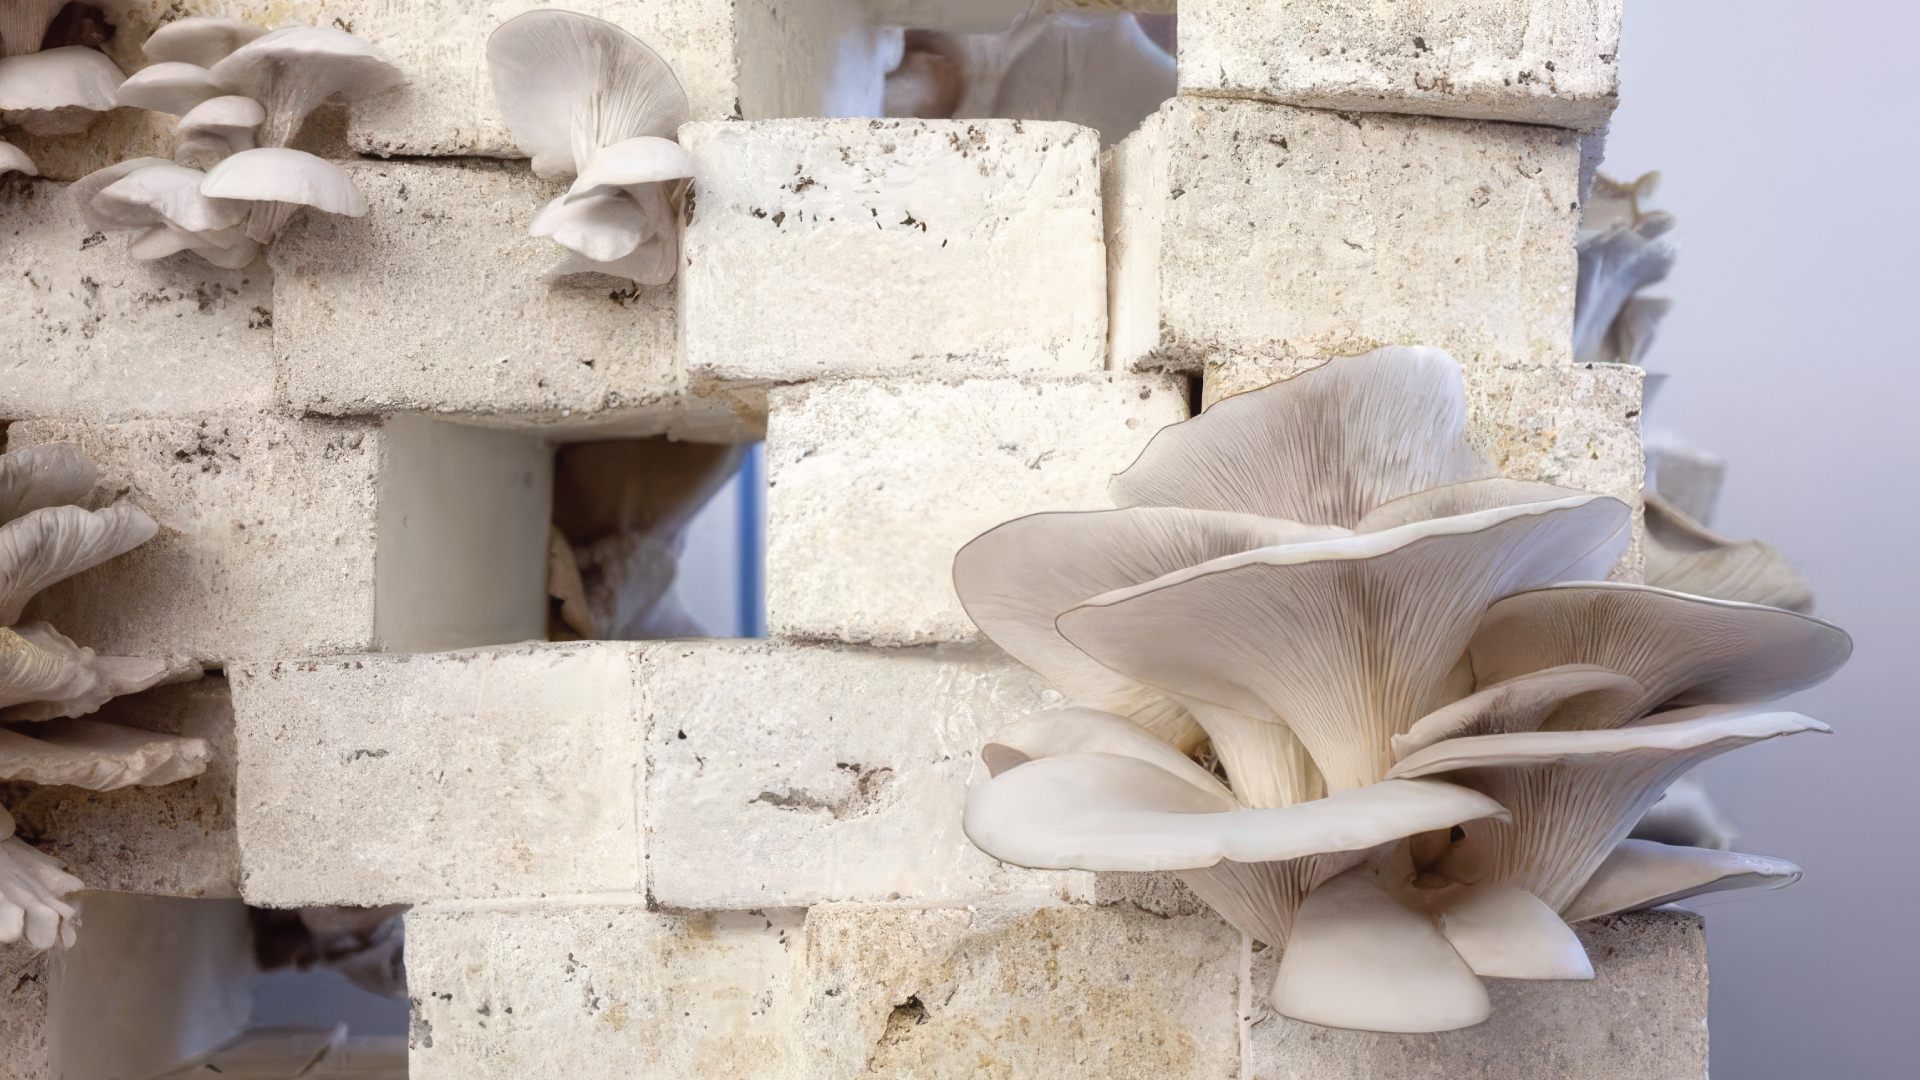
x=1577 y=696
x=168 y=194
x=1088 y=731
x=1613 y=266
x=35 y=477
x=216 y=129
x=204 y=40
x=291 y=71
x=83 y=191
x=1324 y=447
x=171 y=87
x=1016 y=580
x=100 y=757
x=646 y=159
x=1643 y=874
x=1507 y=933
x=570 y=85
x=1685 y=650
x=1686 y=556
x=14 y=159
x=1575 y=794
x=604 y=227
x=1349 y=641
x=289 y=179
x=58 y=542
x=55 y=92
x=31 y=887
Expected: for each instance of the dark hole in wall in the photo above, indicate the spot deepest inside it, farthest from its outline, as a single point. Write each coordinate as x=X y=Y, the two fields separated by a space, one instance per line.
x=77 y=24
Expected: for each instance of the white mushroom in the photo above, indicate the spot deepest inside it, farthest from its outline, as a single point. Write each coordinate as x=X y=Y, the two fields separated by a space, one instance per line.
x=57 y=92
x=204 y=40
x=1686 y=556
x=217 y=129
x=14 y=159
x=293 y=70
x=1622 y=250
x=172 y=88
x=280 y=183
x=167 y=194
x=1643 y=874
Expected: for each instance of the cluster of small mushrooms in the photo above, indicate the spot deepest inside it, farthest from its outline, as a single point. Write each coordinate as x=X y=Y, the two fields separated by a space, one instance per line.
x=47 y=682
x=1377 y=706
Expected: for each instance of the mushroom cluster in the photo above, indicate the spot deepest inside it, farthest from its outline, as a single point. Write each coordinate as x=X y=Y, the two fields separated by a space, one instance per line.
x=241 y=93
x=49 y=84
x=589 y=102
x=47 y=682
x=1375 y=705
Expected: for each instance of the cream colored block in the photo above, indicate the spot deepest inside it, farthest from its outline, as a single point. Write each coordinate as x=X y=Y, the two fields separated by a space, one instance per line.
x=90 y=332
x=175 y=840
x=785 y=776
x=1526 y=61
x=507 y=772
x=873 y=486
x=586 y=988
x=23 y=1013
x=892 y=247
x=1642 y=1017
x=1061 y=992
x=309 y=537
x=1243 y=230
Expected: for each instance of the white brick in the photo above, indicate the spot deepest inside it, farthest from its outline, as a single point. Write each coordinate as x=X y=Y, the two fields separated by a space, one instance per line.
x=1243 y=230
x=91 y=332
x=784 y=776
x=1528 y=61
x=907 y=247
x=563 y=990
x=175 y=840
x=1642 y=1017
x=304 y=537
x=873 y=486
x=507 y=772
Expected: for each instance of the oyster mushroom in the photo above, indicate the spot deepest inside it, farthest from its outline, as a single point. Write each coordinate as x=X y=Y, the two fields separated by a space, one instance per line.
x=279 y=183
x=57 y=92
x=291 y=71
x=217 y=129
x=170 y=87
x=202 y=41
x=161 y=203
x=14 y=159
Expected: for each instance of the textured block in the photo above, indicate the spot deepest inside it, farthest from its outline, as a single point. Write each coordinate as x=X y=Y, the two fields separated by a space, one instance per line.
x=892 y=247
x=1642 y=1017
x=509 y=772
x=309 y=537
x=561 y=990
x=1243 y=230
x=1527 y=61
x=784 y=776
x=175 y=840
x=23 y=1013
x=1110 y=992
x=873 y=486
x=89 y=332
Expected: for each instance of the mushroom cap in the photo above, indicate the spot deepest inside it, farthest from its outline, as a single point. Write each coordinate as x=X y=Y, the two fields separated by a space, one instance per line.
x=604 y=227
x=204 y=40
x=276 y=174
x=570 y=85
x=644 y=159
x=329 y=61
x=58 y=78
x=171 y=195
x=84 y=190
x=14 y=159
x=1643 y=874
x=171 y=87
x=225 y=114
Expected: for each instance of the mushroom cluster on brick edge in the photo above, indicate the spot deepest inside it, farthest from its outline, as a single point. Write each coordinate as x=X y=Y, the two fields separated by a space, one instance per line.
x=241 y=93
x=48 y=683
x=52 y=81
x=1376 y=705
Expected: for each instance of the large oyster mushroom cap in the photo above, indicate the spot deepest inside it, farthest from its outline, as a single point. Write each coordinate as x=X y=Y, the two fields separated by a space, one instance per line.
x=279 y=182
x=171 y=195
x=55 y=92
x=293 y=70
x=203 y=40
x=173 y=88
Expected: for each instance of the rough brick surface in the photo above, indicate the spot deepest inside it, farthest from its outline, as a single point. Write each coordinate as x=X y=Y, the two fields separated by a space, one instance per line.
x=892 y=247
x=509 y=772
x=784 y=776
x=873 y=486
x=23 y=1013
x=1528 y=61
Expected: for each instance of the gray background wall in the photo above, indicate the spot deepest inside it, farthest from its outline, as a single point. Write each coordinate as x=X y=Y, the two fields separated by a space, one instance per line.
x=1781 y=130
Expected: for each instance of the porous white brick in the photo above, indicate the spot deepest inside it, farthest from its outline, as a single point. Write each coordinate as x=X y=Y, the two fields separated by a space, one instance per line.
x=1246 y=230
x=507 y=772
x=1643 y=1016
x=785 y=776
x=23 y=1013
x=567 y=989
x=88 y=331
x=1528 y=61
x=874 y=485
x=284 y=537
x=174 y=840
x=892 y=247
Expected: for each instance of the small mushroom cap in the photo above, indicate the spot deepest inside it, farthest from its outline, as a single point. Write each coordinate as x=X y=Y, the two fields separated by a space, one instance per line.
x=171 y=193
x=1643 y=874
x=604 y=226
x=1507 y=933
x=276 y=174
x=225 y=114
x=569 y=85
x=14 y=159
x=172 y=88
x=204 y=40
x=59 y=78
x=645 y=159
x=333 y=61
x=84 y=190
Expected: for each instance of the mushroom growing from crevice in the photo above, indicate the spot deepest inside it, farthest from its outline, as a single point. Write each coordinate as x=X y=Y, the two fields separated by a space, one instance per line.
x=1623 y=249
x=591 y=102
x=1432 y=723
x=57 y=92
x=14 y=159
x=48 y=682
